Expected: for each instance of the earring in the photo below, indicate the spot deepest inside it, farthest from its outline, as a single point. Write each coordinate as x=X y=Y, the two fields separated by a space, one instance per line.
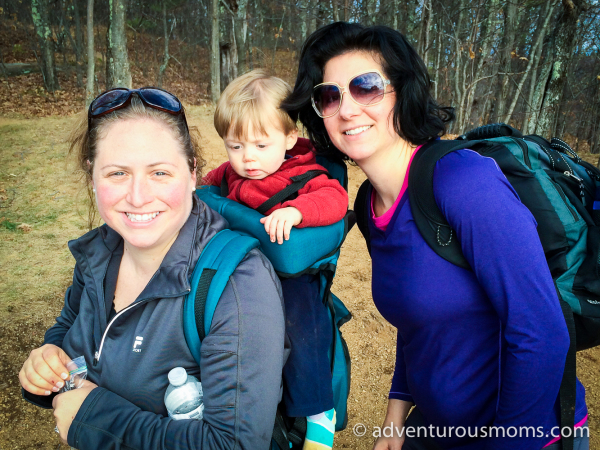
x=94 y=190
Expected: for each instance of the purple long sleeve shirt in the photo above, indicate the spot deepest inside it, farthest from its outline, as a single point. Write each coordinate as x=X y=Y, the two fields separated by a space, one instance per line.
x=476 y=348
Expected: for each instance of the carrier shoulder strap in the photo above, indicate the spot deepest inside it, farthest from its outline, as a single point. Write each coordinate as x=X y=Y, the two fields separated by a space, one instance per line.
x=298 y=182
x=361 y=209
x=216 y=264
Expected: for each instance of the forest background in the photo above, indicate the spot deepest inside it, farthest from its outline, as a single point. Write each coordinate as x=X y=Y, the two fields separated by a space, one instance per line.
x=532 y=63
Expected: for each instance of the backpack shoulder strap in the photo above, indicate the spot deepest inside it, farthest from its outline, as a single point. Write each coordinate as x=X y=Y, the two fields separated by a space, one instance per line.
x=216 y=264
x=361 y=209
x=430 y=221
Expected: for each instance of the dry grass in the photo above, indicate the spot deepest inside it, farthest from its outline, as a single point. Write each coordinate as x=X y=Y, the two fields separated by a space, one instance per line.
x=38 y=204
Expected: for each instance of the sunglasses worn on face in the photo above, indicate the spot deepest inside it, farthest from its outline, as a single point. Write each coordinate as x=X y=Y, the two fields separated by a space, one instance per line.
x=118 y=98
x=366 y=89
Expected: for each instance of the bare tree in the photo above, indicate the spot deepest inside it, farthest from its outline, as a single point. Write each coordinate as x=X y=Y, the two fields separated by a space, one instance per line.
x=117 y=59
x=39 y=14
x=215 y=85
x=425 y=29
x=78 y=43
x=561 y=46
x=487 y=36
x=241 y=34
x=546 y=15
x=505 y=53
x=167 y=34
x=91 y=54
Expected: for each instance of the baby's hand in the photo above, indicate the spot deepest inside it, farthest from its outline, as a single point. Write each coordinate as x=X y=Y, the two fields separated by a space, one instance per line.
x=279 y=223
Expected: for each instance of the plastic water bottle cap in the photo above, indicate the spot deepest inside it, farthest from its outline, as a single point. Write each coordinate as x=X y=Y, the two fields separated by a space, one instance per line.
x=177 y=376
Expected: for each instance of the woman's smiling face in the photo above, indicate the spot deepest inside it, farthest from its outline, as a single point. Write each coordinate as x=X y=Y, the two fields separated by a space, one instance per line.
x=359 y=131
x=143 y=182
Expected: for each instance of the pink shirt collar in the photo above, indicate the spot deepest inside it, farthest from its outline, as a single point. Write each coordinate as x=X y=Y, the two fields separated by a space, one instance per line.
x=382 y=221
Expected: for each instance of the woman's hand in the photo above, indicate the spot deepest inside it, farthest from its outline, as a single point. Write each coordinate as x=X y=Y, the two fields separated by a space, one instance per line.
x=45 y=370
x=389 y=443
x=393 y=426
x=66 y=406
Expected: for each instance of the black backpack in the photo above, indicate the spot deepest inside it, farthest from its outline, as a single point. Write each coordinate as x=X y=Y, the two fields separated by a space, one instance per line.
x=559 y=188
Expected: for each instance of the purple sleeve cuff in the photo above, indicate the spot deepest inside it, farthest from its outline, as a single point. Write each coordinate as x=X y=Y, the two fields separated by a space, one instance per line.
x=401 y=396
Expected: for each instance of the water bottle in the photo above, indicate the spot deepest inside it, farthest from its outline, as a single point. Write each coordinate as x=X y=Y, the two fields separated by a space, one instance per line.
x=183 y=398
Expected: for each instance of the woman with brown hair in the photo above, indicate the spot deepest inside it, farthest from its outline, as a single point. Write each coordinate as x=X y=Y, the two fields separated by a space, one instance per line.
x=124 y=310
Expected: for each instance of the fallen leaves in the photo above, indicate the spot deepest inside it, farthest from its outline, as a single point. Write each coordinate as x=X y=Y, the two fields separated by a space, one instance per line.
x=25 y=227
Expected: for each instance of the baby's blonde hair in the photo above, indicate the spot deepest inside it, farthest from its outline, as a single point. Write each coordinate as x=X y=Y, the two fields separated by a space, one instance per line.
x=254 y=98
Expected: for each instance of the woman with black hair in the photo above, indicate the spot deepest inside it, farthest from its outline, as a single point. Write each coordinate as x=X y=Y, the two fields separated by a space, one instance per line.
x=476 y=348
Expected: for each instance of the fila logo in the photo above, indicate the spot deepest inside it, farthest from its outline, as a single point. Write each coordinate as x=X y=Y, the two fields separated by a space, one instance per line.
x=137 y=343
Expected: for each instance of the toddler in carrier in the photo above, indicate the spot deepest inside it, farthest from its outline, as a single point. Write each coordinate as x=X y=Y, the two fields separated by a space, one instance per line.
x=266 y=156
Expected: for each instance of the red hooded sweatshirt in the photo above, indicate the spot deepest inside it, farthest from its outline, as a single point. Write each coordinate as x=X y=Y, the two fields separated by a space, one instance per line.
x=322 y=201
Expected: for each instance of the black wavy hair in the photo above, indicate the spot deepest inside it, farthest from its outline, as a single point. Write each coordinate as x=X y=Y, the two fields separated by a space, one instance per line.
x=417 y=116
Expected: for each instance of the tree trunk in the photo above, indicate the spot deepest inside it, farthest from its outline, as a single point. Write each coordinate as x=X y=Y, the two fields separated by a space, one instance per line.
x=117 y=60
x=370 y=11
x=409 y=19
x=228 y=52
x=78 y=43
x=303 y=5
x=311 y=16
x=227 y=65
x=547 y=14
x=3 y=65
x=459 y=90
x=277 y=35
x=215 y=85
x=166 y=57
x=593 y=118
x=91 y=54
x=505 y=57
x=425 y=28
x=540 y=58
x=39 y=14
x=241 y=35
x=594 y=132
x=561 y=45
x=487 y=36
x=63 y=33
x=66 y=36
x=438 y=52
x=388 y=13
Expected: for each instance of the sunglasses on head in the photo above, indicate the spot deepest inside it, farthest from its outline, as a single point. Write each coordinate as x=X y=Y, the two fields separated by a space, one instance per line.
x=118 y=98
x=366 y=89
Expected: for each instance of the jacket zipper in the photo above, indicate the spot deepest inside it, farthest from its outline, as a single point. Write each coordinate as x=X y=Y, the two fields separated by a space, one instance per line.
x=98 y=352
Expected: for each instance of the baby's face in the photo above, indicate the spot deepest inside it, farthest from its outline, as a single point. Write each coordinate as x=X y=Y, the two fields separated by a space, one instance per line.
x=259 y=155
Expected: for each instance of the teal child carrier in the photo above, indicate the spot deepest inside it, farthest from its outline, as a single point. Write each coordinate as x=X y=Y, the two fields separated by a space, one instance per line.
x=309 y=250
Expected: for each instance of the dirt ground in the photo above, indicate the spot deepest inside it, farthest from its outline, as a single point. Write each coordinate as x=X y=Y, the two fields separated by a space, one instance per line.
x=35 y=268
